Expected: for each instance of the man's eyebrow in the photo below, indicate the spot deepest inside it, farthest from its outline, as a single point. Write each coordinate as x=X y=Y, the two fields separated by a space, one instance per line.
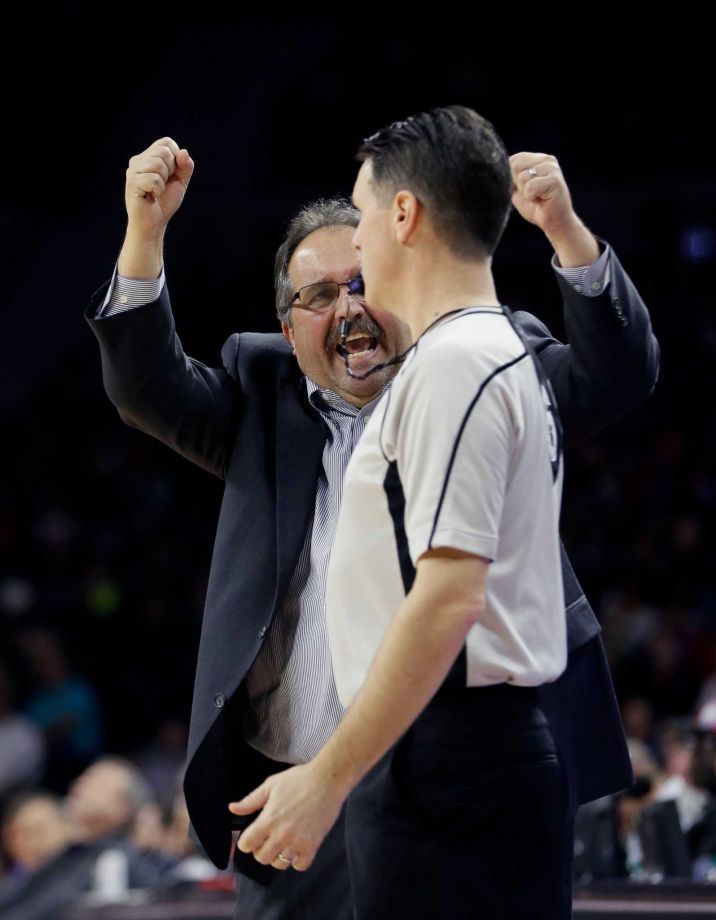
x=353 y=273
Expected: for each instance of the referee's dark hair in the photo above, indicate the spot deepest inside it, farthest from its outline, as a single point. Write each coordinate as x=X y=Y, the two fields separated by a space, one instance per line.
x=455 y=164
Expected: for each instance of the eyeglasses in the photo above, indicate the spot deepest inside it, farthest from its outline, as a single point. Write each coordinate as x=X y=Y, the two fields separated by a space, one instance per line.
x=323 y=295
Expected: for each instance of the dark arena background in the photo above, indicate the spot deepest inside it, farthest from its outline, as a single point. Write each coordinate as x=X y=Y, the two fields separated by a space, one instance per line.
x=106 y=536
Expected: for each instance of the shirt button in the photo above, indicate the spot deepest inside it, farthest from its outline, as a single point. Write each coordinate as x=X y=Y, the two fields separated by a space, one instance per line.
x=123 y=298
x=596 y=286
x=510 y=678
x=578 y=288
x=219 y=700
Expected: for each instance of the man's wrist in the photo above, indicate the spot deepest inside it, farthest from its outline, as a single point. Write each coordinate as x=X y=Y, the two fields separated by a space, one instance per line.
x=142 y=255
x=574 y=245
x=336 y=770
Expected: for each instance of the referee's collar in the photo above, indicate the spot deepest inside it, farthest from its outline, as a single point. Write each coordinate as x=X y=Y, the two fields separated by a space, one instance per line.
x=326 y=401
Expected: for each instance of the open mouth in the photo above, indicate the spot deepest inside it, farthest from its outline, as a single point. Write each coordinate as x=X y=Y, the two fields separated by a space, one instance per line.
x=358 y=345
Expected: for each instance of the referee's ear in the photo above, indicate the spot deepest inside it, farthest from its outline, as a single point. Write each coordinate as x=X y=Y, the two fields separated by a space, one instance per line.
x=405 y=215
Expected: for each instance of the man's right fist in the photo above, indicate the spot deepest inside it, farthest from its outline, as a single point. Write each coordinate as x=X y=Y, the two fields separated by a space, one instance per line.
x=157 y=180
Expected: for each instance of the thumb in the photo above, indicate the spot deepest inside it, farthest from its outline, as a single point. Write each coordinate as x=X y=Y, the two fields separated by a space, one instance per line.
x=184 y=167
x=251 y=802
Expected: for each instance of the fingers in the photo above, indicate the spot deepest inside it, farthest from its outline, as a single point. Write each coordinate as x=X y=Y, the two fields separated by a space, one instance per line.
x=279 y=848
x=143 y=184
x=269 y=845
x=540 y=188
x=525 y=160
x=272 y=845
x=184 y=167
x=253 y=837
x=300 y=862
x=303 y=860
x=536 y=175
x=149 y=172
x=268 y=853
x=283 y=861
x=165 y=147
x=251 y=802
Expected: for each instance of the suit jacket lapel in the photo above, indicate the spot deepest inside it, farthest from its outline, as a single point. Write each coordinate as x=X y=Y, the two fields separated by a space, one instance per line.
x=300 y=438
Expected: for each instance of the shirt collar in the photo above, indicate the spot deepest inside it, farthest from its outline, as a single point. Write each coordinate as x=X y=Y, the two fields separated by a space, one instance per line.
x=326 y=401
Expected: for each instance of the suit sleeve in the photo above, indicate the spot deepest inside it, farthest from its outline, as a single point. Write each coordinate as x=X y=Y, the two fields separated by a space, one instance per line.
x=611 y=363
x=158 y=389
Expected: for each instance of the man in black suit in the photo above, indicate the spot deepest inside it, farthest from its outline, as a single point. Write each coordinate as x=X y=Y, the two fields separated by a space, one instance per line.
x=278 y=430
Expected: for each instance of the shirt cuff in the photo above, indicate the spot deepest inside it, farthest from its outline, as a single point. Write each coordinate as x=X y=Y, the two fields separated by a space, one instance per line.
x=588 y=280
x=128 y=293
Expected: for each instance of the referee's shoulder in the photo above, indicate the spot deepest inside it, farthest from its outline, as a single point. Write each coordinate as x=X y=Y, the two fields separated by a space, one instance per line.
x=468 y=355
x=479 y=334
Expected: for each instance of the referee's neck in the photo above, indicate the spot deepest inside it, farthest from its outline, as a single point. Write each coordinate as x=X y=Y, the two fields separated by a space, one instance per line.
x=441 y=283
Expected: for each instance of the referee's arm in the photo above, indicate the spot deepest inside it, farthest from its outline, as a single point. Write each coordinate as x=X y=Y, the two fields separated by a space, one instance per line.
x=300 y=805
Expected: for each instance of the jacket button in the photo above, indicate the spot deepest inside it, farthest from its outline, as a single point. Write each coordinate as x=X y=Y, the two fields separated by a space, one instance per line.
x=262 y=632
x=219 y=700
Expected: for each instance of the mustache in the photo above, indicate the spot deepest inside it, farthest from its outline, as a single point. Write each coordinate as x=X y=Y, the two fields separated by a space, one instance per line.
x=363 y=323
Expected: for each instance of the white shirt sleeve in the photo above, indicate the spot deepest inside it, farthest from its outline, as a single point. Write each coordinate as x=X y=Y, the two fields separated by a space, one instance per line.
x=588 y=280
x=126 y=294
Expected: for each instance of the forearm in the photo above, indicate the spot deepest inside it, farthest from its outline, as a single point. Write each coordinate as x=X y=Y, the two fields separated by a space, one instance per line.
x=157 y=180
x=573 y=244
x=142 y=254
x=421 y=644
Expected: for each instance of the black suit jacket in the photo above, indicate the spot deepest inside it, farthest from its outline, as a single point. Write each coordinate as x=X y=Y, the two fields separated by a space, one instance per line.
x=250 y=423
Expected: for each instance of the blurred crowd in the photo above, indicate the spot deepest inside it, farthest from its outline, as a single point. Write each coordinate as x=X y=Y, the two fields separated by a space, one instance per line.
x=101 y=592
x=665 y=824
x=110 y=833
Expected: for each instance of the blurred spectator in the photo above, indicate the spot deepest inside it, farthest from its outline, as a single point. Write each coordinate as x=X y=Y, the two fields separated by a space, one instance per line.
x=65 y=708
x=193 y=865
x=105 y=799
x=630 y=805
x=702 y=836
x=147 y=832
x=34 y=830
x=22 y=749
x=162 y=763
x=101 y=807
x=707 y=693
x=677 y=783
x=638 y=718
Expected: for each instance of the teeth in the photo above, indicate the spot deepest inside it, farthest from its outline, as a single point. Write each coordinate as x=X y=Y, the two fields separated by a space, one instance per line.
x=357 y=335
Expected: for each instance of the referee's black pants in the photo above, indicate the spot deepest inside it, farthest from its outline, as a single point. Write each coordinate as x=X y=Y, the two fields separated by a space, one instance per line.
x=465 y=817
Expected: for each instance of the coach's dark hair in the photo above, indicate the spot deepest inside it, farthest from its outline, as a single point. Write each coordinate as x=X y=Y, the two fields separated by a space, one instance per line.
x=454 y=162
x=326 y=212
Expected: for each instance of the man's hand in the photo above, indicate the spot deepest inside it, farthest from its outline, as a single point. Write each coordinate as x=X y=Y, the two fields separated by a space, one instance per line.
x=298 y=808
x=157 y=180
x=541 y=196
